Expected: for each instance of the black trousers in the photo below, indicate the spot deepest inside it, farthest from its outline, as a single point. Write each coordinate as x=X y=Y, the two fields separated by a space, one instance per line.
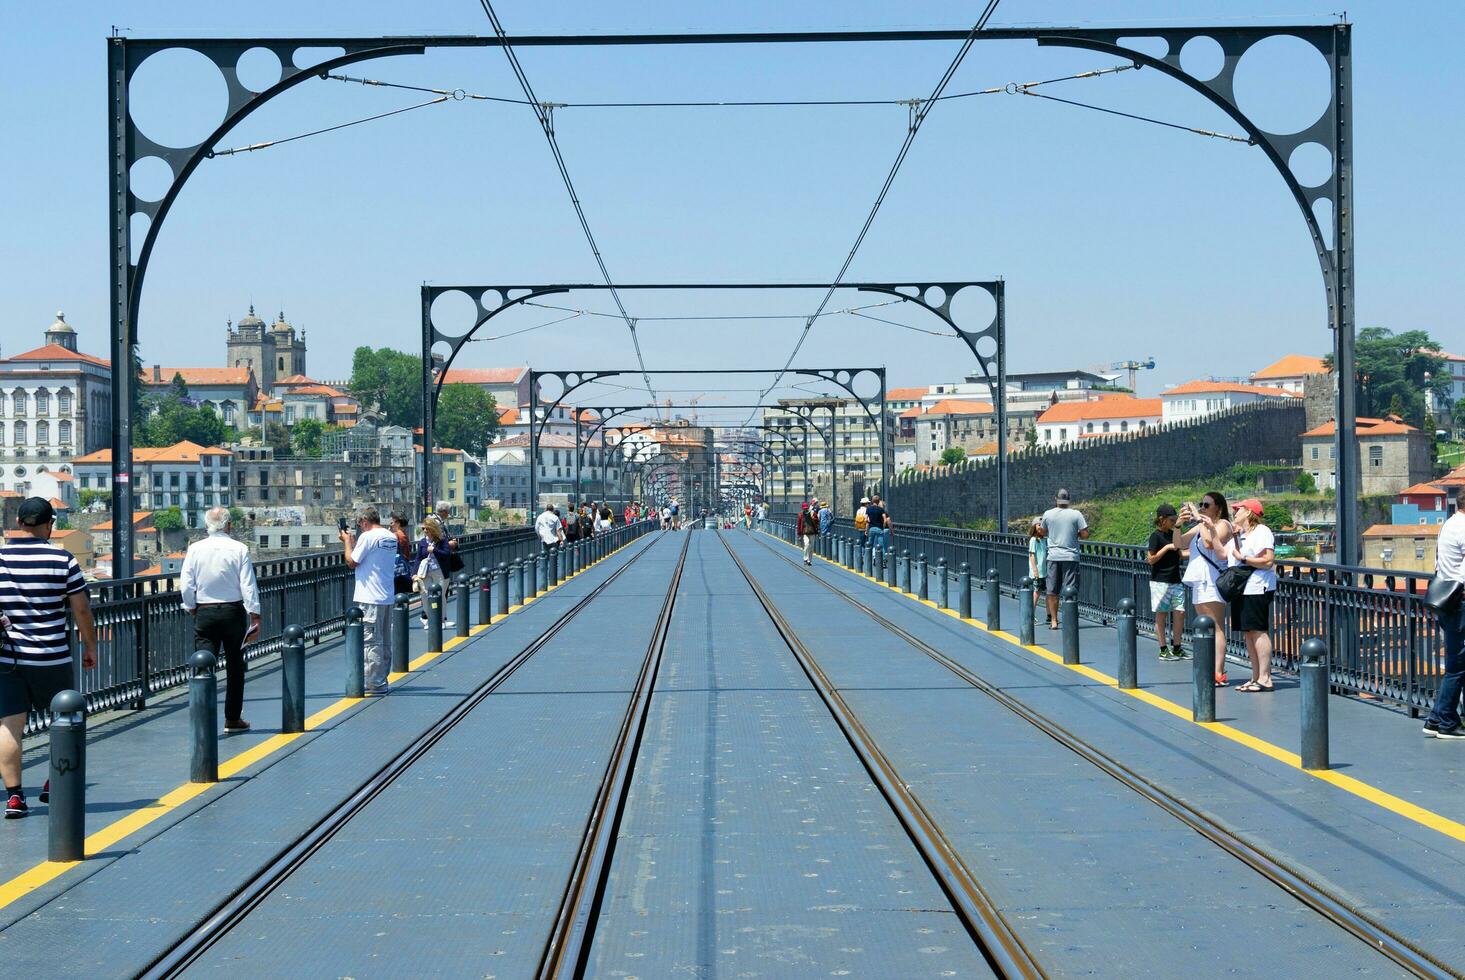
x=223 y=626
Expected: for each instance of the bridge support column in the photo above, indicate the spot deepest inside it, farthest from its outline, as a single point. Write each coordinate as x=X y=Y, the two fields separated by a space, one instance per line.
x=943 y=584
x=401 y=620
x=994 y=601
x=460 y=593
x=964 y=591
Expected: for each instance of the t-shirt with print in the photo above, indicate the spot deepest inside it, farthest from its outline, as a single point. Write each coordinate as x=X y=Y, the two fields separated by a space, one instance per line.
x=36 y=579
x=1249 y=545
x=375 y=556
x=1063 y=525
x=1167 y=569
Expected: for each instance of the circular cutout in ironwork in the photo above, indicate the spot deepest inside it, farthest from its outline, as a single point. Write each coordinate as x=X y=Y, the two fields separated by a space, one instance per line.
x=935 y=296
x=309 y=56
x=138 y=224
x=161 y=114
x=149 y=178
x=866 y=385
x=1202 y=58
x=454 y=313
x=551 y=388
x=258 y=69
x=1283 y=84
x=1322 y=210
x=1311 y=164
x=571 y=380
x=986 y=346
x=973 y=309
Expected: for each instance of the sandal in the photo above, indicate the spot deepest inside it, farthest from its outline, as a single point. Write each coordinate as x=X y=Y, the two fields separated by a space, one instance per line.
x=1248 y=687
x=1221 y=680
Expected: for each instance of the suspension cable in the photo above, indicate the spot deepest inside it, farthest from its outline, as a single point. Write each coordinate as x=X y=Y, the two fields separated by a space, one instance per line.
x=329 y=129
x=1230 y=137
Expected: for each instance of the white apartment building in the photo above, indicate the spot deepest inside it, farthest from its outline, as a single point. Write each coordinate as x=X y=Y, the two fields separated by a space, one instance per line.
x=185 y=475
x=1289 y=373
x=1070 y=422
x=1199 y=399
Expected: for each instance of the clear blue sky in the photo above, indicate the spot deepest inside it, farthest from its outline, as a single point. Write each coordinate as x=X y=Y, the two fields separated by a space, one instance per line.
x=1116 y=239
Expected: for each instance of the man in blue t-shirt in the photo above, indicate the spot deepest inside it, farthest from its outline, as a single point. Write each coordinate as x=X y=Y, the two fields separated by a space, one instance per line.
x=39 y=583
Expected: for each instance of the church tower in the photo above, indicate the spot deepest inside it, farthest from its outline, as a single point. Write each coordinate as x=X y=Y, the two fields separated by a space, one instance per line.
x=249 y=344
x=61 y=334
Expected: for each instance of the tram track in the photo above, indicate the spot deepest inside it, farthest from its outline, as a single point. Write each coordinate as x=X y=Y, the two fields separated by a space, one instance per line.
x=1317 y=896
x=988 y=928
x=252 y=893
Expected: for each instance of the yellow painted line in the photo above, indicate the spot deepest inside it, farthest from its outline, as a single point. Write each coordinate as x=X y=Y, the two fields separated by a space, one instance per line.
x=1357 y=787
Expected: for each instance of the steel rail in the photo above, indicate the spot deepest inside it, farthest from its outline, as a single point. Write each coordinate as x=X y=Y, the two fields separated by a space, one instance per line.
x=567 y=951
x=988 y=928
x=1295 y=882
x=237 y=907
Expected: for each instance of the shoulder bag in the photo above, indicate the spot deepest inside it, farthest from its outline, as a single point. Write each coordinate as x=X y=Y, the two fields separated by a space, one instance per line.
x=1443 y=595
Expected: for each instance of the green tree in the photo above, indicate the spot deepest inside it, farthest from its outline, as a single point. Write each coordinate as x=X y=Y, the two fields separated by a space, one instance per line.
x=467 y=418
x=1391 y=372
x=390 y=381
x=952 y=455
x=1305 y=483
x=305 y=437
x=170 y=519
x=170 y=417
x=85 y=498
x=238 y=517
x=277 y=437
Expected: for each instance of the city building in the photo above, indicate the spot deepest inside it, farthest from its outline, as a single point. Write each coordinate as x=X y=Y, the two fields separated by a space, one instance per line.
x=1289 y=373
x=185 y=475
x=300 y=397
x=953 y=422
x=145 y=538
x=270 y=352
x=364 y=465
x=1426 y=503
x=229 y=391
x=55 y=405
x=1198 y=399
x=509 y=386
x=1069 y=422
x=296 y=537
x=1392 y=456
x=504 y=474
x=1404 y=548
x=856 y=446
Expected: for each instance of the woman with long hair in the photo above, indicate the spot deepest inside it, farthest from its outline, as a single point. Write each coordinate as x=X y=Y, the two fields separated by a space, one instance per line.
x=1038 y=567
x=1209 y=542
x=432 y=548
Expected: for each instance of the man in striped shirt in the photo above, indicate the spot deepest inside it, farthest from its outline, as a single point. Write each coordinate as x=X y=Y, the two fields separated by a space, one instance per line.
x=39 y=581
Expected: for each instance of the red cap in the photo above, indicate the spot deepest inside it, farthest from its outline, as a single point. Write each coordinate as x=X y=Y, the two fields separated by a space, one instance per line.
x=1253 y=505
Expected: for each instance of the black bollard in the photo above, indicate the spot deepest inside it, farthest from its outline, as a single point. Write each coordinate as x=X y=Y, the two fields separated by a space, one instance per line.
x=861 y=554
x=541 y=571
x=526 y=587
x=355 y=654
x=1128 y=659
x=943 y=584
x=1203 y=697
x=1068 y=620
x=460 y=618
x=292 y=680
x=501 y=585
x=531 y=576
x=401 y=617
x=903 y=571
x=485 y=596
x=434 y=605
x=203 y=712
x=1026 y=628
x=1313 y=674
x=553 y=557
x=964 y=591
x=994 y=601
x=67 y=818
x=516 y=597
x=888 y=566
x=923 y=589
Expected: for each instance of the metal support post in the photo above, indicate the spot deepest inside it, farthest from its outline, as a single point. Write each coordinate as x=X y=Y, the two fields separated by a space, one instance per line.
x=531 y=576
x=355 y=654
x=1128 y=659
x=555 y=578
x=1025 y=613
x=526 y=587
x=1068 y=619
x=433 y=606
x=292 y=680
x=401 y=618
x=203 y=713
x=460 y=584
x=1313 y=673
x=541 y=566
x=994 y=601
x=964 y=591
x=485 y=597
x=943 y=583
x=903 y=571
x=923 y=590
x=501 y=587
x=1203 y=698
x=66 y=833
x=516 y=584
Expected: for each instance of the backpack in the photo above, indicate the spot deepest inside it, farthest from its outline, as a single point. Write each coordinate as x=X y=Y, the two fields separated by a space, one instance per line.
x=862 y=522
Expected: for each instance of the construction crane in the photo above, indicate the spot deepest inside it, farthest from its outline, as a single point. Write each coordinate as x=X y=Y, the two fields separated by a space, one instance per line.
x=1148 y=364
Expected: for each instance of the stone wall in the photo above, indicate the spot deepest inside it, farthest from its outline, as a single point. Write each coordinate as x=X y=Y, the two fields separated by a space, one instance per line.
x=1319 y=397
x=968 y=491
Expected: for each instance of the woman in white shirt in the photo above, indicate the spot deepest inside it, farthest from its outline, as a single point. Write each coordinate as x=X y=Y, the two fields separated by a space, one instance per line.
x=1252 y=545
x=1208 y=541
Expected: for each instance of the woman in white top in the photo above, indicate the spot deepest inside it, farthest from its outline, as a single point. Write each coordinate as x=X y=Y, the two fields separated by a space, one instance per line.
x=1209 y=542
x=1252 y=545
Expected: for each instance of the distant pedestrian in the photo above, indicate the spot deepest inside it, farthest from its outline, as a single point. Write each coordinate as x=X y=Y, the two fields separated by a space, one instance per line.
x=39 y=582
x=1449 y=566
x=1038 y=565
x=451 y=561
x=218 y=588
x=430 y=562
x=1209 y=542
x=862 y=518
x=676 y=515
x=401 y=566
x=826 y=518
x=1063 y=528
x=879 y=520
x=372 y=551
x=807 y=529
x=759 y=514
x=1167 y=594
x=1253 y=546
x=665 y=517
x=604 y=520
x=547 y=526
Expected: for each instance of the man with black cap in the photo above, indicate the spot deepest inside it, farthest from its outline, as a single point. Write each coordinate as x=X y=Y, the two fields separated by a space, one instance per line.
x=1063 y=527
x=38 y=582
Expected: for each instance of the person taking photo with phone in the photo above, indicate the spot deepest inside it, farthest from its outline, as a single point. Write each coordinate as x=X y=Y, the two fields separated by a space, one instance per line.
x=219 y=590
x=1208 y=538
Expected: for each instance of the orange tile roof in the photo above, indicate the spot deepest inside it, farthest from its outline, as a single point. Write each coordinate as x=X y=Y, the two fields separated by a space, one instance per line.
x=957 y=406
x=484 y=376
x=1291 y=366
x=1108 y=408
x=139 y=517
x=296 y=379
x=911 y=412
x=508 y=416
x=1423 y=489
x=904 y=394
x=1401 y=531
x=985 y=449
x=198 y=375
x=180 y=452
x=1365 y=427
x=55 y=352
x=1209 y=387
x=61 y=476
x=58 y=504
x=313 y=388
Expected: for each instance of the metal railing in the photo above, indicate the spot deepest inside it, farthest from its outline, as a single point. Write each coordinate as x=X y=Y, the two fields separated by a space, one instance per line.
x=1384 y=641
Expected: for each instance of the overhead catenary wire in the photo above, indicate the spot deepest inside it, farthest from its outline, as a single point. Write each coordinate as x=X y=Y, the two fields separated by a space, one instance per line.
x=1230 y=137
x=544 y=112
x=726 y=316
x=329 y=129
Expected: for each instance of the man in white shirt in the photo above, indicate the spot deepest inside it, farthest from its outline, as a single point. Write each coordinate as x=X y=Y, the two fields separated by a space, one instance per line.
x=547 y=525
x=373 y=553
x=219 y=591
x=1444 y=719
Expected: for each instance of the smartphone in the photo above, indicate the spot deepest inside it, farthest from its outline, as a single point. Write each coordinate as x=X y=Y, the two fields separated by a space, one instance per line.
x=341 y=523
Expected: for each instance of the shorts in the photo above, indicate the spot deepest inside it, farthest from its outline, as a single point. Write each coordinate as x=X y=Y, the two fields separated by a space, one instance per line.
x=1061 y=574
x=1040 y=584
x=1253 y=613
x=24 y=687
x=1201 y=592
x=1167 y=597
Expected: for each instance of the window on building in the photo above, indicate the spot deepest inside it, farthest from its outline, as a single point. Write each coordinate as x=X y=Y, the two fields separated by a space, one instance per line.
x=284 y=541
x=1332 y=452
x=1418 y=548
x=21 y=438
x=63 y=401
x=289 y=414
x=65 y=433
x=1105 y=428
x=1314 y=452
x=1375 y=455
x=43 y=402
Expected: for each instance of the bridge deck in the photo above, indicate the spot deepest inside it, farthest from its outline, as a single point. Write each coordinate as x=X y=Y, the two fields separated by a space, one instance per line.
x=753 y=842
